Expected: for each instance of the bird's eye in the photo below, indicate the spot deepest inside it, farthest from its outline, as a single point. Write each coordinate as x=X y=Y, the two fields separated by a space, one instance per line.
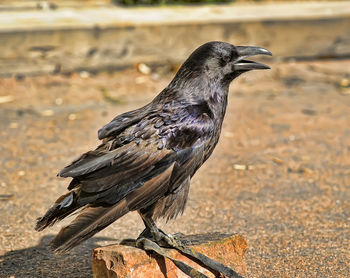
x=226 y=58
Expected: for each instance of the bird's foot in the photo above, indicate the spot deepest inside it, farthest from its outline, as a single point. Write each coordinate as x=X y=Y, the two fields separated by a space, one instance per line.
x=160 y=239
x=156 y=239
x=149 y=245
x=168 y=240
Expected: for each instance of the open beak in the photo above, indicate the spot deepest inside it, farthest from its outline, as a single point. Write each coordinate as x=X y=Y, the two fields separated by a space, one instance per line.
x=246 y=51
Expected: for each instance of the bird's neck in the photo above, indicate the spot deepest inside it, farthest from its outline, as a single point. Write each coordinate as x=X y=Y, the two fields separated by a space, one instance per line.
x=198 y=88
x=217 y=103
x=215 y=95
x=195 y=91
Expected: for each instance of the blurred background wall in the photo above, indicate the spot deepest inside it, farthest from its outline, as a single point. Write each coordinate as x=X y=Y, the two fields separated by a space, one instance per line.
x=39 y=37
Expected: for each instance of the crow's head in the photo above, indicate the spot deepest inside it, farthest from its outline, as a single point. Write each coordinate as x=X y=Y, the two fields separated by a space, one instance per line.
x=222 y=61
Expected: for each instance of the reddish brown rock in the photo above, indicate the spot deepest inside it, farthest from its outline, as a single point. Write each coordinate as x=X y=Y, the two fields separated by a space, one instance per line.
x=128 y=261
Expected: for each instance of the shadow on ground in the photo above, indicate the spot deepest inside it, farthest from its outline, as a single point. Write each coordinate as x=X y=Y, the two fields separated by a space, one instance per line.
x=39 y=261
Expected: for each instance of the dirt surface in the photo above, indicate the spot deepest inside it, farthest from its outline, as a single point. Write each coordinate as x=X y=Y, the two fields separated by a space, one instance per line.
x=280 y=174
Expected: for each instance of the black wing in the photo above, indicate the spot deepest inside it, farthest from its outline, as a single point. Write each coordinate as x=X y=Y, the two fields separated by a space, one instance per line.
x=122 y=121
x=143 y=149
x=147 y=160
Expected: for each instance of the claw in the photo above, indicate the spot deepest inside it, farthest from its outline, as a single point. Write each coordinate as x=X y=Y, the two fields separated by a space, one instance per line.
x=164 y=240
x=148 y=245
x=170 y=241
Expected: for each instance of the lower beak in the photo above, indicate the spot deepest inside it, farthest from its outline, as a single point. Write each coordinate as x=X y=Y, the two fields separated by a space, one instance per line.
x=246 y=51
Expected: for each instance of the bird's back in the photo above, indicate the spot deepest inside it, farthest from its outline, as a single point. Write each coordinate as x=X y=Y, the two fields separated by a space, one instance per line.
x=147 y=165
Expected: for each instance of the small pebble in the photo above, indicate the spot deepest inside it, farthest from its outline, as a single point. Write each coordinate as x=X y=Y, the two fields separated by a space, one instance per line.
x=240 y=167
x=140 y=79
x=345 y=82
x=13 y=125
x=84 y=74
x=143 y=68
x=72 y=117
x=277 y=160
x=229 y=134
x=155 y=76
x=47 y=113
x=6 y=99
x=58 y=101
x=21 y=173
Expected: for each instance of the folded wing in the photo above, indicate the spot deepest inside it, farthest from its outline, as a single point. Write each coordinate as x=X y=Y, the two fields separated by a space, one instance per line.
x=144 y=162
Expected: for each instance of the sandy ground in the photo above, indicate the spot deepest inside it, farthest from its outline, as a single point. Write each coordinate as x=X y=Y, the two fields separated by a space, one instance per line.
x=280 y=175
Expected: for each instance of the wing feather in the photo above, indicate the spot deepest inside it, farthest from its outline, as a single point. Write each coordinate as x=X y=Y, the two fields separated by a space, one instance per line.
x=90 y=221
x=121 y=122
x=94 y=218
x=145 y=157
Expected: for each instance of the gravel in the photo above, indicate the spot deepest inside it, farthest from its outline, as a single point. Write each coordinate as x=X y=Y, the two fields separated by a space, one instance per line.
x=280 y=175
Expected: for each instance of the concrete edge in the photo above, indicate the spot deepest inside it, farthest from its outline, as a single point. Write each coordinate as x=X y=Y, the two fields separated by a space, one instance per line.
x=66 y=40
x=112 y=17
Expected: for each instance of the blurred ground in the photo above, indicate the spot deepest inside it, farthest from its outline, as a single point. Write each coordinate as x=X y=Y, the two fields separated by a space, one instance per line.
x=280 y=174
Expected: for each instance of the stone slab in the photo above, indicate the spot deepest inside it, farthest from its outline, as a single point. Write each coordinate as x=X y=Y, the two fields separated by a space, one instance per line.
x=127 y=261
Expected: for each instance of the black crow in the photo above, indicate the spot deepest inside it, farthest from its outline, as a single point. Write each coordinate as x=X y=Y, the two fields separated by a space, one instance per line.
x=149 y=155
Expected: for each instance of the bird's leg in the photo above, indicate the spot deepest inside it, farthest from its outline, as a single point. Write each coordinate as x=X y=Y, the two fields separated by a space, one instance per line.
x=148 y=241
x=160 y=237
x=153 y=232
x=149 y=245
x=146 y=233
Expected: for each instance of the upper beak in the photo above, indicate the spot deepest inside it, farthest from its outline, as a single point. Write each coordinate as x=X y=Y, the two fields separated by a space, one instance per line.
x=247 y=51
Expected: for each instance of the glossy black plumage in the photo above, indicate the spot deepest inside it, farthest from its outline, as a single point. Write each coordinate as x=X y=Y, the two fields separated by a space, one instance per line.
x=149 y=155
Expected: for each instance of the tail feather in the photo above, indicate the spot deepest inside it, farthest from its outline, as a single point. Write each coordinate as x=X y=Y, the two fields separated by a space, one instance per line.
x=95 y=214
x=90 y=221
x=64 y=205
